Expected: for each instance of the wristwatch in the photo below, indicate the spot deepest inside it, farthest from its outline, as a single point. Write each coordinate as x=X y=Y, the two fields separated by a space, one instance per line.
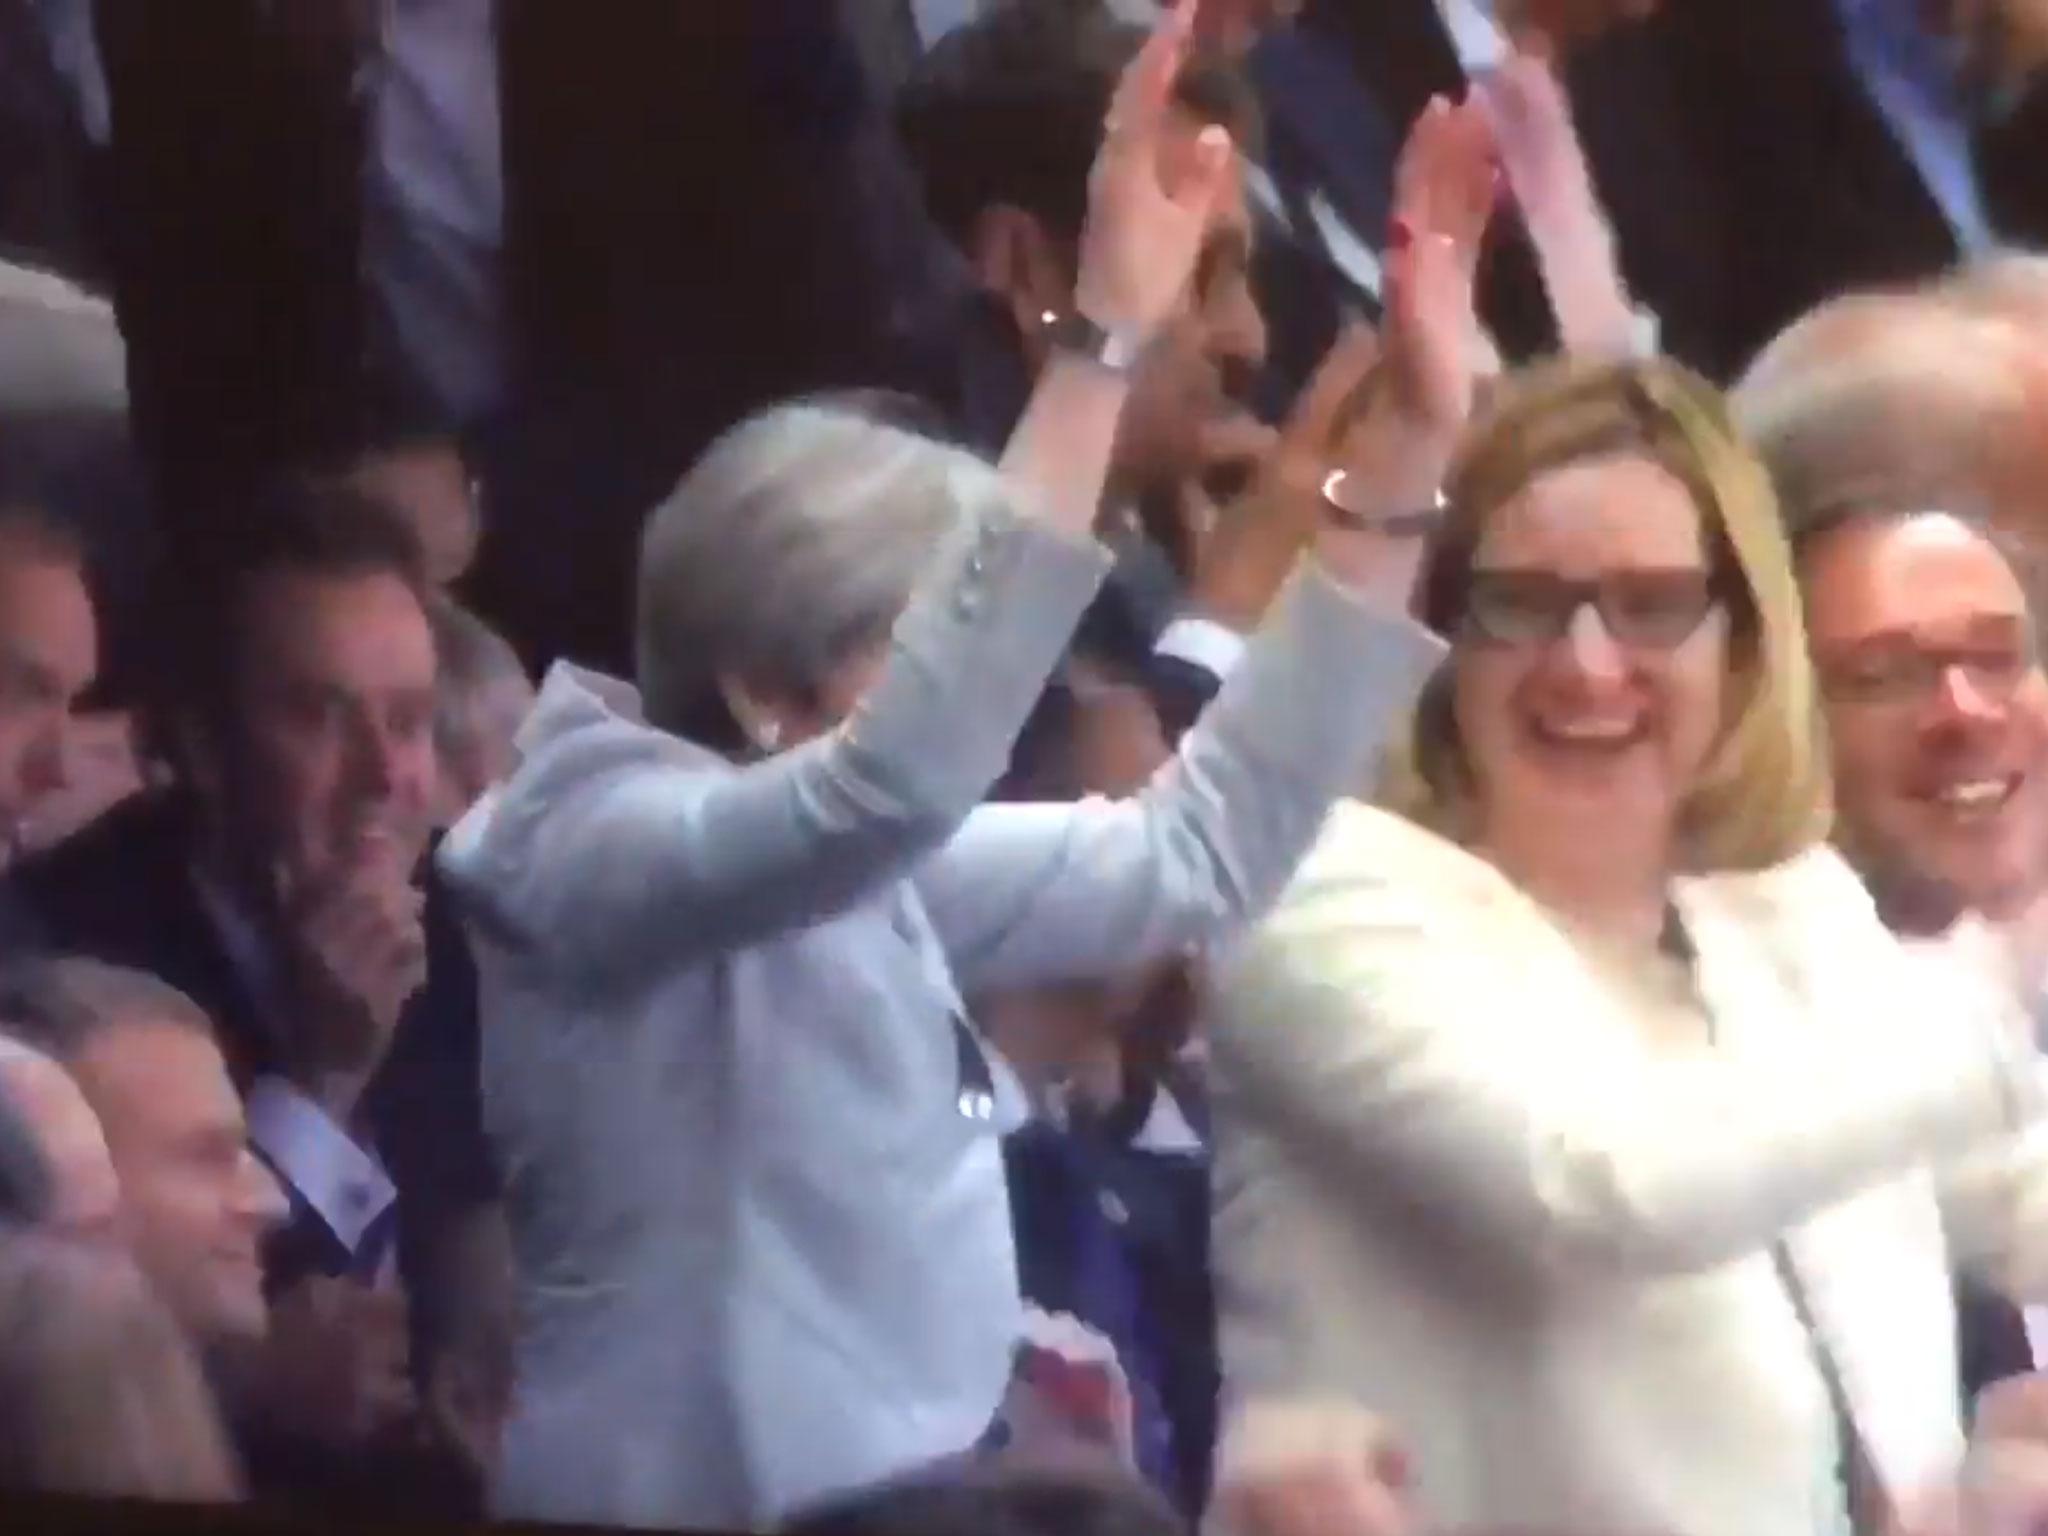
x=1392 y=525
x=1078 y=336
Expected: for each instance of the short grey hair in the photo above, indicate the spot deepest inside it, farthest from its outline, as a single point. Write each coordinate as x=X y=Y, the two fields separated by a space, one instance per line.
x=474 y=658
x=2011 y=285
x=1884 y=400
x=796 y=540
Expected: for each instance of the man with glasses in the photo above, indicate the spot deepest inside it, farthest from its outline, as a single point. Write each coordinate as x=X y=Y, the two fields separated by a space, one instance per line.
x=1937 y=710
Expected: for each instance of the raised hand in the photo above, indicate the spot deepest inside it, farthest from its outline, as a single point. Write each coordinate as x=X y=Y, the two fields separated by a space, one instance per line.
x=356 y=955
x=1546 y=171
x=1149 y=198
x=1447 y=180
x=1445 y=190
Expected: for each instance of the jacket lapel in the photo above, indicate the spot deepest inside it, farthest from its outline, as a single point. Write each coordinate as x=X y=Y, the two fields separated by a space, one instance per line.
x=1872 y=1271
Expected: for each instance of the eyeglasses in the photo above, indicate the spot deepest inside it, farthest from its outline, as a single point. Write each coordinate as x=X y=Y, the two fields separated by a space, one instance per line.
x=1908 y=674
x=1646 y=609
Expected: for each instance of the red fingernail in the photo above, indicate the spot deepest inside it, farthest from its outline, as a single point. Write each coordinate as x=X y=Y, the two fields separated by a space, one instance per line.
x=1400 y=234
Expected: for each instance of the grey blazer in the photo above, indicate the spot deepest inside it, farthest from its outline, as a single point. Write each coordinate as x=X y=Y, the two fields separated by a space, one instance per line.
x=757 y=1200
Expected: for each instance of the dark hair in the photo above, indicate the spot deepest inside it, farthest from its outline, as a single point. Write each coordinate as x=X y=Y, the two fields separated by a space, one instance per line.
x=1009 y=109
x=994 y=1501
x=1110 y=642
x=57 y=1005
x=294 y=525
x=388 y=426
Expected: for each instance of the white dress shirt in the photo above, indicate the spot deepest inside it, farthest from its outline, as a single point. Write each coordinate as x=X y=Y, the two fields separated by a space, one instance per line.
x=340 y=1180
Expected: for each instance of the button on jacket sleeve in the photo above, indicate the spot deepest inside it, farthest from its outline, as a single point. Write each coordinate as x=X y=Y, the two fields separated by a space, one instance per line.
x=598 y=845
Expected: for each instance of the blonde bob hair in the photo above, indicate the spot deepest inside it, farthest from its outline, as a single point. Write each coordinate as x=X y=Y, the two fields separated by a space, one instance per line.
x=1763 y=794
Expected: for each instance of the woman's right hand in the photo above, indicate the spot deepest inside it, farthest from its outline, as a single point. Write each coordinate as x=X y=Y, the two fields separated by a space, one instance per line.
x=1395 y=443
x=1151 y=193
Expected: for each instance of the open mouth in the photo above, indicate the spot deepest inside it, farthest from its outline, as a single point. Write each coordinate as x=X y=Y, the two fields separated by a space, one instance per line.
x=1590 y=735
x=1978 y=799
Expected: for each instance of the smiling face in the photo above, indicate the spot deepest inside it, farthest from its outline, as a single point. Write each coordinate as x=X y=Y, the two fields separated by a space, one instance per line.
x=1589 y=668
x=197 y=1204
x=1938 y=711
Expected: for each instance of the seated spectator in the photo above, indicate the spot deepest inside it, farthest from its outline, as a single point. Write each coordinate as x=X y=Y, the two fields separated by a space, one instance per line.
x=196 y=1204
x=101 y=1391
x=280 y=882
x=484 y=696
x=49 y=653
x=65 y=1179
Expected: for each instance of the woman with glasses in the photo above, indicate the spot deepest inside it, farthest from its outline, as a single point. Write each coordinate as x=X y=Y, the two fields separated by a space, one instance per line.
x=1577 y=1112
x=725 y=921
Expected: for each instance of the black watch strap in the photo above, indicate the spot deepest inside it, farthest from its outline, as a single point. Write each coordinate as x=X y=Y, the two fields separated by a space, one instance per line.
x=1075 y=334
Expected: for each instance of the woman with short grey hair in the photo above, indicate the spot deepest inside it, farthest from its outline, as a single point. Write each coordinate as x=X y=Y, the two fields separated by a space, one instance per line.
x=724 y=923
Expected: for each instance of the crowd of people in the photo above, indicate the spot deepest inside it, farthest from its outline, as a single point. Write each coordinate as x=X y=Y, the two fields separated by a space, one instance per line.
x=1027 y=765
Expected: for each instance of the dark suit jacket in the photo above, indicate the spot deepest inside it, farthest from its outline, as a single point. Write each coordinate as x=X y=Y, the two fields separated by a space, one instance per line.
x=122 y=891
x=1120 y=1239
x=1991 y=1340
x=1668 y=220
x=48 y=169
x=703 y=215
x=1324 y=135
x=1816 y=194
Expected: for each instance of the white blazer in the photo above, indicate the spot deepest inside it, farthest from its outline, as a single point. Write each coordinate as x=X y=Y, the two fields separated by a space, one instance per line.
x=1456 y=1187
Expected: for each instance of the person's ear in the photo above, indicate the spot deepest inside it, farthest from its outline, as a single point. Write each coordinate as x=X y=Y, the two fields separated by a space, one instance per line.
x=1019 y=263
x=759 y=721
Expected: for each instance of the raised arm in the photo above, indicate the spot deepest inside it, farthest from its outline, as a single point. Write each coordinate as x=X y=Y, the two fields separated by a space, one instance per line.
x=1546 y=172
x=1390 y=1037
x=609 y=837
x=1033 y=893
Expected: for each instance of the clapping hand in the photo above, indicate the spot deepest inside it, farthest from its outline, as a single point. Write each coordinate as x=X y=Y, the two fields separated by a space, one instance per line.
x=1394 y=438
x=1546 y=171
x=1149 y=198
x=1446 y=187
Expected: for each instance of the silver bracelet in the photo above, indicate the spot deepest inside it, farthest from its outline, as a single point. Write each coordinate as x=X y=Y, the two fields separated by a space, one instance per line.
x=1391 y=525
